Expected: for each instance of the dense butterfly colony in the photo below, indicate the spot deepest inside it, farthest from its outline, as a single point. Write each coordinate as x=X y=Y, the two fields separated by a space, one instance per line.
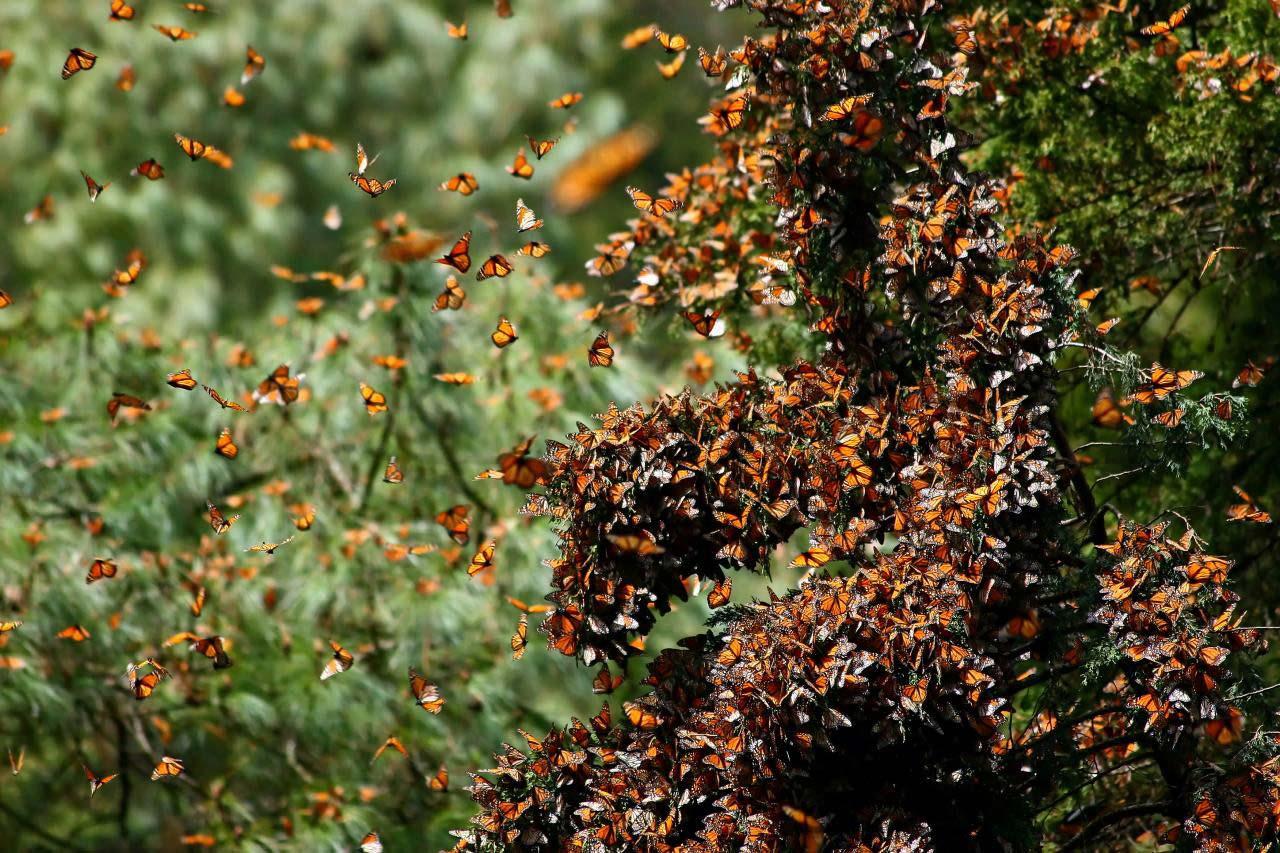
x=999 y=667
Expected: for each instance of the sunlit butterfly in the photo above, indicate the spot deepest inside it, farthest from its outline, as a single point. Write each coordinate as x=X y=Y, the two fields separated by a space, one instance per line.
x=362 y=159
x=341 y=661
x=846 y=108
x=374 y=401
x=279 y=387
x=142 y=684
x=671 y=42
x=452 y=297
x=126 y=79
x=713 y=64
x=225 y=446
x=1169 y=24
x=75 y=633
x=482 y=559
x=309 y=141
x=521 y=168
x=520 y=639
x=1164 y=382
x=440 y=781
x=565 y=101
x=427 y=695
x=255 y=64
x=96 y=781
x=372 y=186
x=458 y=31
x=455 y=378
x=393 y=474
x=168 y=768
x=149 y=169
x=233 y=97
x=708 y=323
x=459 y=257
x=11 y=625
x=534 y=249
x=392 y=742
x=219 y=522
x=1247 y=511
x=541 y=147
x=455 y=520
x=463 y=183
x=670 y=69
x=600 y=353
x=267 y=548
x=121 y=11
x=496 y=266
x=174 y=33
x=304 y=516
x=99 y=569
x=182 y=380
x=371 y=843
x=610 y=260
x=519 y=468
x=193 y=148
x=652 y=205
x=526 y=219
x=78 y=60
x=505 y=334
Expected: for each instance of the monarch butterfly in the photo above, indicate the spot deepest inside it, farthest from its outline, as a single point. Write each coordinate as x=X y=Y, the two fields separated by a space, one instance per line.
x=174 y=33
x=211 y=647
x=268 y=548
x=541 y=147
x=372 y=186
x=520 y=639
x=168 y=767
x=43 y=210
x=77 y=60
x=505 y=335
x=521 y=168
x=729 y=115
x=1106 y=325
x=96 y=781
x=149 y=169
x=713 y=64
x=459 y=257
x=255 y=64
x=362 y=159
x=534 y=249
x=610 y=260
x=456 y=32
x=120 y=400
x=13 y=625
x=526 y=219
x=639 y=544
x=845 y=108
x=913 y=695
x=519 y=469
x=308 y=141
x=341 y=662
x=193 y=148
x=100 y=569
x=640 y=716
x=1247 y=511
x=195 y=7
x=75 y=633
x=672 y=43
x=440 y=781
x=226 y=404
x=374 y=401
x=600 y=353
x=218 y=158
x=1168 y=25
x=455 y=521
x=482 y=559
x=393 y=474
x=371 y=843
x=708 y=323
x=503 y=8
x=814 y=558
x=1251 y=374
x=5 y=299
x=225 y=446
x=279 y=387
x=219 y=522
x=496 y=266
x=394 y=743
x=463 y=183
x=126 y=79
x=1169 y=419
x=232 y=97
x=720 y=593
x=658 y=207
x=568 y=99
x=638 y=37
x=456 y=378
x=197 y=603
x=668 y=70
x=1164 y=382
x=144 y=685
x=605 y=681
x=121 y=11
x=304 y=516
x=182 y=380
x=427 y=695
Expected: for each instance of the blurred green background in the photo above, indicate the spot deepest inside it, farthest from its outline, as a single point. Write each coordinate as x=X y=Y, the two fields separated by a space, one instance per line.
x=266 y=744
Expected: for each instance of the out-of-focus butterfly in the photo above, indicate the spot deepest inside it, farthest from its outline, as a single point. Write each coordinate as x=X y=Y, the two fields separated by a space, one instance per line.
x=267 y=548
x=393 y=474
x=144 y=684
x=42 y=211
x=371 y=843
x=426 y=694
x=363 y=161
x=197 y=8
x=304 y=515
x=96 y=781
x=482 y=559
x=126 y=79
x=519 y=468
x=670 y=69
x=503 y=8
x=455 y=520
x=845 y=108
x=12 y=625
x=600 y=353
x=121 y=11
x=534 y=249
x=193 y=148
x=99 y=569
x=654 y=206
x=455 y=378
x=458 y=31
x=713 y=64
x=77 y=60
x=219 y=522
x=496 y=266
x=708 y=323
x=372 y=186
x=279 y=387
x=308 y=141
x=225 y=446
x=232 y=97
x=341 y=661
x=541 y=147
x=226 y=404
x=440 y=781
x=521 y=168
x=212 y=648
x=121 y=400
x=182 y=380
x=392 y=742
x=168 y=768
x=520 y=639
x=1213 y=256
x=610 y=260
x=197 y=603
x=605 y=681
x=333 y=218
x=254 y=65
x=174 y=33
x=463 y=183
x=565 y=101
x=526 y=219
x=459 y=257
x=374 y=401
x=671 y=42
x=1169 y=24
x=75 y=633
x=452 y=297
x=5 y=299
x=640 y=544
x=1247 y=511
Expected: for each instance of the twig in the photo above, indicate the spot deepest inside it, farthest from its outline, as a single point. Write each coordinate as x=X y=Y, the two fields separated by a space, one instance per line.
x=1098 y=824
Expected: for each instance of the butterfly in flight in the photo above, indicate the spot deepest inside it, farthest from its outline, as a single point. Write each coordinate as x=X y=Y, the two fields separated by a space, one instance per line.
x=371 y=843
x=341 y=661
x=121 y=400
x=182 y=380
x=174 y=33
x=452 y=297
x=654 y=206
x=168 y=768
x=96 y=781
x=496 y=266
x=267 y=548
x=526 y=219
x=534 y=249
x=374 y=401
x=505 y=335
x=568 y=99
x=226 y=404
x=520 y=639
x=75 y=633
x=99 y=569
x=459 y=257
x=541 y=147
x=392 y=742
x=372 y=186
x=458 y=31
x=455 y=521
x=427 y=695
x=1168 y=25
x=521 y=168
x=78 y=60
x=126 y=79
x=503 y=8
x=193 y=148
x=255 y=64
x=149 y=169
x=463 y=183
x=393 y=474
x=219 y=522
x=600 y=353
x=121 y=11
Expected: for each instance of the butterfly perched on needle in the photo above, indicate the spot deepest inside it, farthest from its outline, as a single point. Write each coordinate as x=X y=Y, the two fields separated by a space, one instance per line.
x=267 y=548
x=341 y=661
x=95 y=189
x=219 y=522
